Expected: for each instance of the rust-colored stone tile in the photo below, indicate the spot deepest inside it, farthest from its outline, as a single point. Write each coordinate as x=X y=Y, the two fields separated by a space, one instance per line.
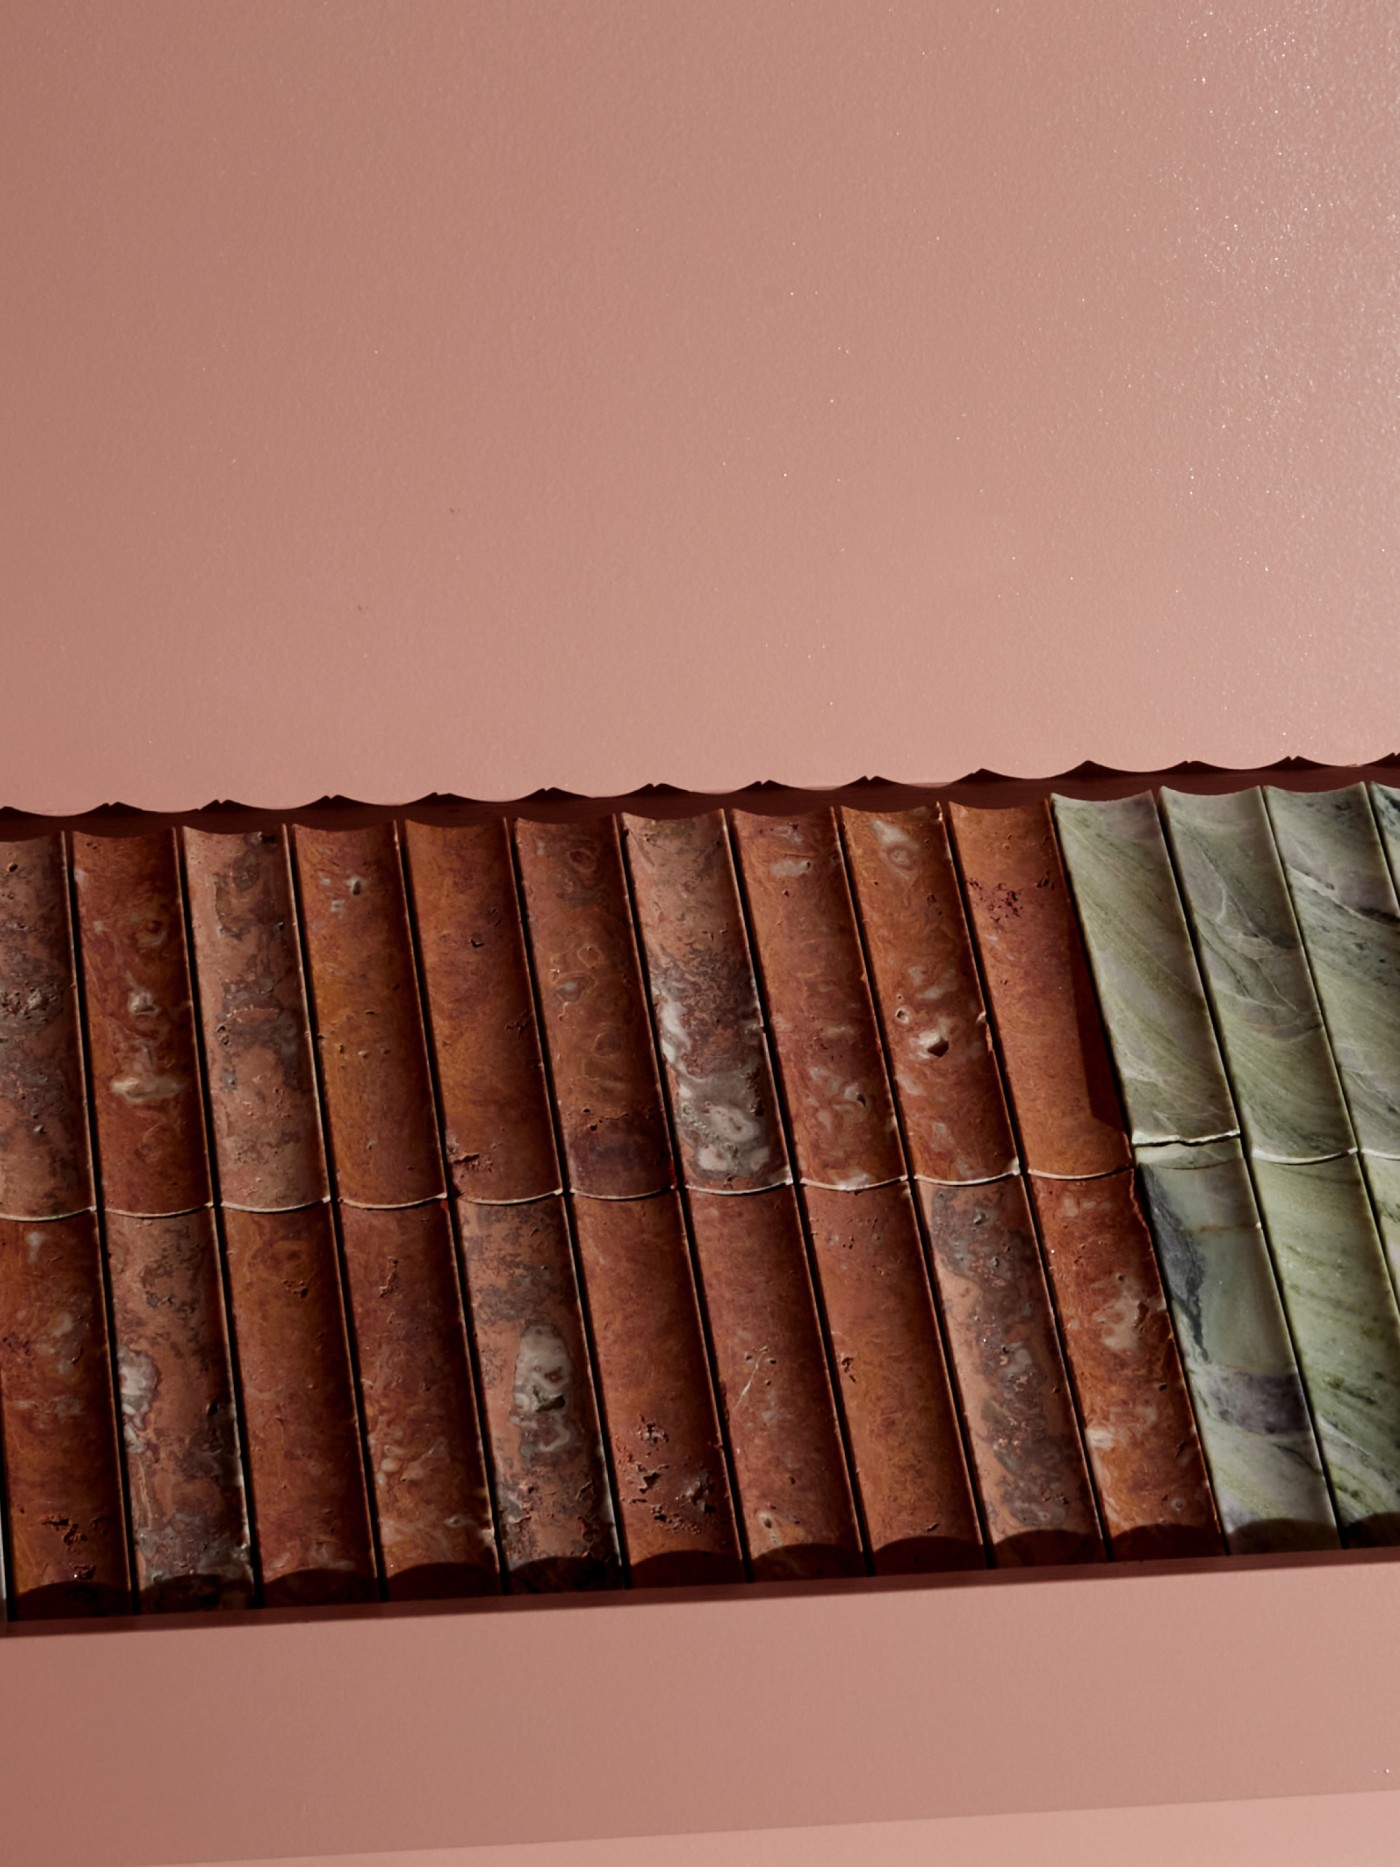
x=366 y=1016
x=58 y=1414
x=143 y=1059
x=553 y=1498
x=431 y=1497
x=925 y=981
x=1042 y=1000
x=606 y=1086
x=189 y=1513
x=1138 y=1425
x=495 y=1102
x=675 y=1511
x=1023 y=1437
x=775 y=1386
x=252 y=1006
x=913 y=1477
x=830 y=1060
x=700 y=974
x=45 y=1164
x=299 y=1410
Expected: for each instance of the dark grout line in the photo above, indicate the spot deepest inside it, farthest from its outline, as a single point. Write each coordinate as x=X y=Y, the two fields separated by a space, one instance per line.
x=449 y=1200
x=99 y=1218
x=687 y=1218
x=804 y=1218
x=567 y=1196
x=1016 y=1135
x=920 y=1220
x=347 y=1309
x=216 y=1202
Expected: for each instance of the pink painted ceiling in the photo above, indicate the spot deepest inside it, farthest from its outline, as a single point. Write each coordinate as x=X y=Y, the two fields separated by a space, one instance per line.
x=409 y=396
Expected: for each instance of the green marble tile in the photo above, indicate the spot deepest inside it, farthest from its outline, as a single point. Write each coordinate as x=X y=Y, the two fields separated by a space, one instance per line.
x=1235 y=1347
x=1382 y=1177
x=1346 y=1331
x=1154 y=1010
x=1345 y=901
x=1266 y=1011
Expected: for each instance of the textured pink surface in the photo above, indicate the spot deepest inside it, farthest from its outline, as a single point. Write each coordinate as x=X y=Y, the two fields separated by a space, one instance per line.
x=406 y=396
x=1359 y=1831
x=789 y=1707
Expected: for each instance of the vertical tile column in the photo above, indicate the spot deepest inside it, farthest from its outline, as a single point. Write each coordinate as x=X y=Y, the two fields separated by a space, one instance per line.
x=779 y=1411
x=306 y=1473
x=185 y=1482
x=1250 y=1403
x=676 y=1511
x=909 y=1462
x=1343 y=897
x=427 y=1467
x=1352 y=930
x=58 y=1413
x=1144 y=1452
x=555 y=1512
x=1023 y=1437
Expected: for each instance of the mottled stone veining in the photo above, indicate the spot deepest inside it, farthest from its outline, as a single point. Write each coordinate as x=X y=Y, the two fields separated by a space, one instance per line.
x=1346 y=905
x=1149 y=988
x=1346 y=1330
x=705 y=997
x=1286 y=1087
x=925 y=982
x=1230 y=1328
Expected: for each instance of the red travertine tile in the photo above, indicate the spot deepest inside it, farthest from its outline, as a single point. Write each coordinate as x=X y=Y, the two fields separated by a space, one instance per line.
x=1042 y=1000
x=1022 y=1434
x=432 y=1502
x=553 y=1498
x=495 y=1101
x=829 y=1055
x=45 y=1163
x=675 y=1511
x=252 y=1004
x=1138 y=1425
x=366 y=1015
x=593 y=1001
x=700 y=974
x=189 y=1512
x=775 y=1386
x=146 y=1093
x=913 y=1478
x=299 y=1412
x=58 y=1414
x=925 y=981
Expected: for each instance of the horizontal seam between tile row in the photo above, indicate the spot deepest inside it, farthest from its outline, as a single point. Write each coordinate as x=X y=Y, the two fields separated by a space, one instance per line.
x=1186 y=1140
x=981 y=1179
x=1104 y=1173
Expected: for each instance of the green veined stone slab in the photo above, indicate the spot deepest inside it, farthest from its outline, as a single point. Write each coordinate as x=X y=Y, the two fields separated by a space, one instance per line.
x=1250 y=1407
x=1346 y=1331
x=1149 y=989
x=1382 y=1178
x=1261 y=991
x=1345 y=901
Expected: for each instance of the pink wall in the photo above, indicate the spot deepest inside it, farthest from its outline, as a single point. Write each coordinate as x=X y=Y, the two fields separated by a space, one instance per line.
x=407 y=395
